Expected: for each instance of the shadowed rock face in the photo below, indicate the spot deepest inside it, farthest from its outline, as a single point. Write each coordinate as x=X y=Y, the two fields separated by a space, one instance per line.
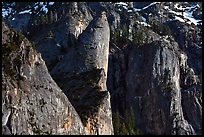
x=32 y=103
x=152 y=87
x=157 y=101
x=192 y=100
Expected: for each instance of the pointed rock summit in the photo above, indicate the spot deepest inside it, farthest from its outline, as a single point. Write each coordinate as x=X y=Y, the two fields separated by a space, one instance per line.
x=94 y=43
x=82 y=75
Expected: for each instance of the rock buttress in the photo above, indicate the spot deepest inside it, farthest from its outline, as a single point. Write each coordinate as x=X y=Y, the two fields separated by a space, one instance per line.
x=82 y=75
x=32 y=103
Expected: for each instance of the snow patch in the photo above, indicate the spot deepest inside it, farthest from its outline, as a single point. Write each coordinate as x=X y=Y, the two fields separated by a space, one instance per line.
x=176 y=6
x=144 y=22
x=58 y=45
x=153 y=3
x=51 y=3
x=144 y=19
x=44 y=8
x=36 y=7
x=179 y=19
x=121 y=3
x=166 y=7
x=6 y=12
x=187 y=14
x=125 y=7
x=25 y=11
x=41 y=3
x=137 y=9
x=176 y=13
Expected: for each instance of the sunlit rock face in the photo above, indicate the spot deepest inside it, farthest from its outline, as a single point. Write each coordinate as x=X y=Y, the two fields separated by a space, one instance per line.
x=32 y=103
x=82 y=75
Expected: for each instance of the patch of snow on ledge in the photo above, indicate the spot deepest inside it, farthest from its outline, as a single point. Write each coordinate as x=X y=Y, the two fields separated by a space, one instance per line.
x=122 y=3
x=6 y=12
x=188 y=15
x=153 y=3
x=25 y=11
x=179 y=19
x=51 y=3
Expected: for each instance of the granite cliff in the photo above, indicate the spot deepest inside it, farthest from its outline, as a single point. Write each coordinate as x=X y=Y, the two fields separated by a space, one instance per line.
x=106 y=68
x=32 y=103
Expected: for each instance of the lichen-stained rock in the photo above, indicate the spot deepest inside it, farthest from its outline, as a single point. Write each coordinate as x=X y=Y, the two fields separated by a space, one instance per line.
x=32 y=103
